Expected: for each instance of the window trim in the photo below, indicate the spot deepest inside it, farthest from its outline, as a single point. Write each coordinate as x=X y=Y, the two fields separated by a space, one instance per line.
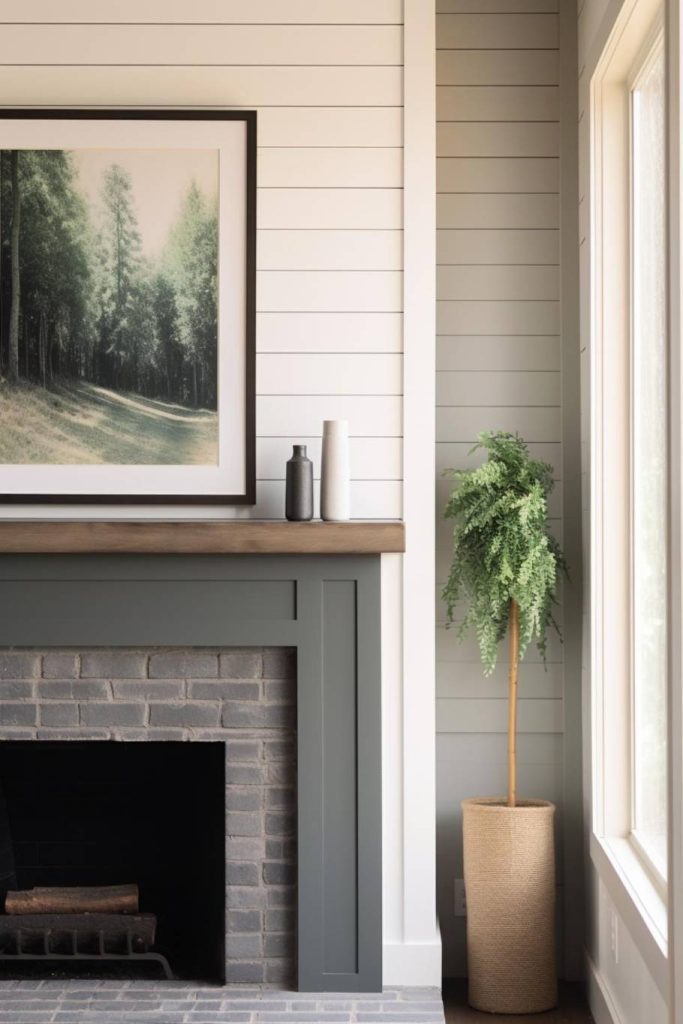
x=633 y=891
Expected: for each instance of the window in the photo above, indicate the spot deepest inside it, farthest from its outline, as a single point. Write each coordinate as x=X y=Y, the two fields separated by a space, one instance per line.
x=649 y=468
x=630 y=466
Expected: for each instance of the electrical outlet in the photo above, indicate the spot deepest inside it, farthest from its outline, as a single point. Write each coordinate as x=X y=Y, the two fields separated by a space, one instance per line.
x=460 y=899
x=614 y=936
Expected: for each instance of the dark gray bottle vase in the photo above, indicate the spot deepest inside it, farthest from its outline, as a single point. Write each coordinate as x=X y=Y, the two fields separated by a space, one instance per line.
x=299 y=489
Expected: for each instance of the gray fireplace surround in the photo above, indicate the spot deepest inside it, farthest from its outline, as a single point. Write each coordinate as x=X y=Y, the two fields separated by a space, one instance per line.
x=326 y=610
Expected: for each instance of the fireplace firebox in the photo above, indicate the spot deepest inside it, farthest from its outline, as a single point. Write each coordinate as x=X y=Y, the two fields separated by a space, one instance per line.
x=107 y=814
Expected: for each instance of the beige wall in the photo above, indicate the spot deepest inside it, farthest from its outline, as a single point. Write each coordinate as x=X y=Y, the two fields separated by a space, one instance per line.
x=499 y=366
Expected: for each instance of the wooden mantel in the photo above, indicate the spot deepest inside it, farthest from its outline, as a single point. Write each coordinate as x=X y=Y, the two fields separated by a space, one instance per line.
x=199 y=537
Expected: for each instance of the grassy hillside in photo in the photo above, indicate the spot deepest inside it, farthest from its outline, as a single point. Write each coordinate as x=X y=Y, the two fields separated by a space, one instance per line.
x=79 y=423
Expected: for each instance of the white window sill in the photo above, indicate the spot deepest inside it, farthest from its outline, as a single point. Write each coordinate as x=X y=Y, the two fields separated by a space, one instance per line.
x=637 y=901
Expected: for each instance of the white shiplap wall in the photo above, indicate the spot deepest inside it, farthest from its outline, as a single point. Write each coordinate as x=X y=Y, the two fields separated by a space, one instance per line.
x=498 y=367
x=327 y=81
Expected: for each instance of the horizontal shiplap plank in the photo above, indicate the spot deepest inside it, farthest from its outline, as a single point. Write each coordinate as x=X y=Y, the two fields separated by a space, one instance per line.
x=497 y=103
x=451 y=649
x=330 y=250
x=218 y=12
x=496 y=31
x=491 y=387
x=496 y=6
x=497 y=317
x=338 y=126
x=498 y=138
x=534 y=424
x=497 y=211
x=317 y=291
x=370 y=458
x=498 y=282
x=484 y=753
x=476 y=246
x=144 y=44
x=466 y=680
x=482 y=716
x=330 y=168
x=330 y=208
x=329 y=332
x=339 y=374
x=229 y=86
x=497 y=67
x=369 y=499
x=497 y=352
x=290 y=416
x=497 y=174
x=459 y=455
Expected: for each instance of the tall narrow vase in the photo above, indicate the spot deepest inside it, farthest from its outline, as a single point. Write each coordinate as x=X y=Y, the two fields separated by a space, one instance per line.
x=334 y=483
x=299 y=486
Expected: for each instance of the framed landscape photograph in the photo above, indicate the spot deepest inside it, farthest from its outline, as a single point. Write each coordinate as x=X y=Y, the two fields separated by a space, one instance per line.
x=127 y=306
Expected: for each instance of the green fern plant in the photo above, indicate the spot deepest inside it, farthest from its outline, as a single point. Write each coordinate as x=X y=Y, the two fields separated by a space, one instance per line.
x=505 y=562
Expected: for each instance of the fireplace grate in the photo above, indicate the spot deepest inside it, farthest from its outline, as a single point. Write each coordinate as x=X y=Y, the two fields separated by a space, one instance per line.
x=64 y=941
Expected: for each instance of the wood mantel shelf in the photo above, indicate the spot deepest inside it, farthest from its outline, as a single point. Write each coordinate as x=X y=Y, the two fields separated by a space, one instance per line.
x=199 y=537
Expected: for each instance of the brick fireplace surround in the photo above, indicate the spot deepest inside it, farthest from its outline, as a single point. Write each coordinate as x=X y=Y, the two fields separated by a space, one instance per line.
x=167 y=649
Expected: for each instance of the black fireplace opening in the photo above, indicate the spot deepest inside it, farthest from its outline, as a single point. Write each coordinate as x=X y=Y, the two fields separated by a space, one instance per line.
x=101 y=813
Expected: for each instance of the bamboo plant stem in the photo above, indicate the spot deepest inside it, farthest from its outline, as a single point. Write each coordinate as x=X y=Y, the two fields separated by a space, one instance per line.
x=512 y=703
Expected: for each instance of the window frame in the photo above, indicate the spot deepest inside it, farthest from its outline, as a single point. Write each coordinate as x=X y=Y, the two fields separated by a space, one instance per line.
x=637 y=892
x=652 y=46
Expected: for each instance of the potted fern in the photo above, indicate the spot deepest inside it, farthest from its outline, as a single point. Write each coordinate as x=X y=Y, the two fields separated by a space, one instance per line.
x=505 y=567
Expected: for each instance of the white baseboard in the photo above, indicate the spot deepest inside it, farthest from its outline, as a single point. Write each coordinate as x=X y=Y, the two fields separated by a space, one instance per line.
x=417 y=964
x=599 y=998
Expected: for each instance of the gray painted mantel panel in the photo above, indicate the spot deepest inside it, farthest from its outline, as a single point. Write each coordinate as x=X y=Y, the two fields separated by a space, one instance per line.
x=328 y=608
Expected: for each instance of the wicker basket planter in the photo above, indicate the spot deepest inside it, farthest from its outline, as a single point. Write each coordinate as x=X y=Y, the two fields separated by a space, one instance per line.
x=510 y=886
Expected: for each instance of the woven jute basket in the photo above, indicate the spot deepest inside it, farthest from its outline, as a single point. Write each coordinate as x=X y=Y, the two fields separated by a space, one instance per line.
x=510 y=890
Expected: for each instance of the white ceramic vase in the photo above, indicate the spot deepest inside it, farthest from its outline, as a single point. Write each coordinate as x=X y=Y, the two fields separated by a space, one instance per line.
x=334 y=477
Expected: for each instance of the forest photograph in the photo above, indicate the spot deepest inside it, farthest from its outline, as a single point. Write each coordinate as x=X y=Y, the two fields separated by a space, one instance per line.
x=109 y=307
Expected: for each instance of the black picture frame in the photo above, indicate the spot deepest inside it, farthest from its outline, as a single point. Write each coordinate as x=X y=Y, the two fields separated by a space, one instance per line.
x=249 y=117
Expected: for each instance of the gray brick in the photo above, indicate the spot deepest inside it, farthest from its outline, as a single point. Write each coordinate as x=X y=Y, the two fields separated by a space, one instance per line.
x=280 y=823
x=183 y=665
x=77 y=735
x=244 y=921
x=242 y=873
x=277 y=873
x=238 y=715
x=59 y=714
x=186 y=715
x=279 y=944
x=17 y=734
x=281 y=896
x=19 y=665
x=64 y=689
x=279 y=663
x=243 y=750
x=280 y=797
x=281 y=690
x=114 y=665
x=16 y=689
x=281 y=920
x=149 y=689
x=113 y=714
x=145 y=735
x=241 y=665
x=222 y=689
x=245 y=774
x=60 y=666
x=18 y=714
x=245 y=897
x=282 y=772
x=243 y=798
x=243 y=823
x=282 y=973
x=280 y=750
x=244 y=848
x=238 y=972
x=244 y=946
